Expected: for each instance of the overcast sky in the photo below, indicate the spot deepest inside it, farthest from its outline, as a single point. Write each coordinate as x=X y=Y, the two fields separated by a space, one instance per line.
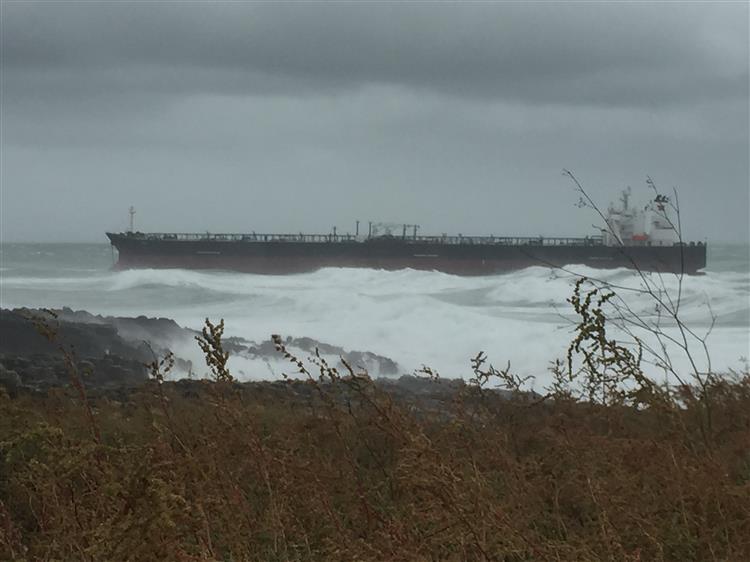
x=296 y=117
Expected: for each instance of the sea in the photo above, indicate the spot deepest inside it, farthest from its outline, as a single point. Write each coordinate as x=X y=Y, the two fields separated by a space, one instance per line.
x=415 y=318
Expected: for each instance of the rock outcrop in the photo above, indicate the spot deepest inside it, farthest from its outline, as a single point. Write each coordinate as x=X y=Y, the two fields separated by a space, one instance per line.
x=42 y=349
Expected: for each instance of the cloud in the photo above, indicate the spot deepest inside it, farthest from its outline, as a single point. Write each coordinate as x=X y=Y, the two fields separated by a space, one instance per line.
x=297 y=116
x=572 y=53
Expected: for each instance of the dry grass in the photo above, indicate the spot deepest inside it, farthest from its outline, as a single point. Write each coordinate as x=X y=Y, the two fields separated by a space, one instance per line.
x=224 y=473
x=333 y=468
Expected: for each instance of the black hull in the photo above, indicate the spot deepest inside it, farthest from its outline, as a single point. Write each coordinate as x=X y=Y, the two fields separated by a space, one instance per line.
x=283 y=257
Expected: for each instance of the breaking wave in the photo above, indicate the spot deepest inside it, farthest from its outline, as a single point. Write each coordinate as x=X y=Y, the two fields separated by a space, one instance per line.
x=414 y=317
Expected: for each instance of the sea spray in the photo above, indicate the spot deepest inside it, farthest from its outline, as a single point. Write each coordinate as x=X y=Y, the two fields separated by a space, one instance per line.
x=413 y=317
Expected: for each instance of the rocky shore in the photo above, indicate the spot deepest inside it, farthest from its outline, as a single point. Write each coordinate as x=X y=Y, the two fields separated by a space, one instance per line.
x=39 y=349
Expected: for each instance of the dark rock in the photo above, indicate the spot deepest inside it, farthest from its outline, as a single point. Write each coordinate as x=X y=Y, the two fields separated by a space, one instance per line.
x=10 y=380
x=86 y=367
x=110 y=351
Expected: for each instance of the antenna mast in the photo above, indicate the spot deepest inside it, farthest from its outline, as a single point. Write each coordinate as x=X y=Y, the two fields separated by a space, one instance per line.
x=132 y=215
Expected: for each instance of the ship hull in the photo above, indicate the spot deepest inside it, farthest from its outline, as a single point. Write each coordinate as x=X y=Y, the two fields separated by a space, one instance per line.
x=274 y=257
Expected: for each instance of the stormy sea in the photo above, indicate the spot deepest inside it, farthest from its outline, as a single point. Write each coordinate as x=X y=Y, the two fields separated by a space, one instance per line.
x=413 y=318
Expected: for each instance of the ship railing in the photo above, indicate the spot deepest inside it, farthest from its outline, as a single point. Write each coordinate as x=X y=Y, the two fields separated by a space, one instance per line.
x=344 y=238
x=251 y=237
x=512 y=240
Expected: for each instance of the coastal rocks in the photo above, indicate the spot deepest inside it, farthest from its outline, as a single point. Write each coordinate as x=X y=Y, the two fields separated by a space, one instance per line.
x=41 y=372
x=10 y=380
x=374 y=364
x=27 y=332
x=38 y=350
x=371 y=362
x=138 y=329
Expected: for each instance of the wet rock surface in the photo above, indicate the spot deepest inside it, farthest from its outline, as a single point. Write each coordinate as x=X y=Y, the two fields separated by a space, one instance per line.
x=42 y=349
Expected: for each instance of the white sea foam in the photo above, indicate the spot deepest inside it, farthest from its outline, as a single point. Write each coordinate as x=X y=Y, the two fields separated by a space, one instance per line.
x=413 y=317
x=52 y=283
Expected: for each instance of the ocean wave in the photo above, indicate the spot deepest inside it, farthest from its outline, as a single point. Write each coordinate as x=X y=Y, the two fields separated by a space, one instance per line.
x=534 y=286
x=413 y=317
x=24 y=282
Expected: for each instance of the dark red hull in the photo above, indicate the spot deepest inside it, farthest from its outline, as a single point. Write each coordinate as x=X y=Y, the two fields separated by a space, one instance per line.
x=283 y=257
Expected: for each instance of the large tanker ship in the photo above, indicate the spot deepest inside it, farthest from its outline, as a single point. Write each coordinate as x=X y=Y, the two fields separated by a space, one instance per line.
x=633 y=238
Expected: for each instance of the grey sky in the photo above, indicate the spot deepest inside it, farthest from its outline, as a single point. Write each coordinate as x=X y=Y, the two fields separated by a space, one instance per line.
x=289 y=117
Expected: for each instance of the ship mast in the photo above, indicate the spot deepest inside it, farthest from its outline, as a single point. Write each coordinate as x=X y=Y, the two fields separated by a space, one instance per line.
x=413 y=227
x=132 y=216
x=625 y=198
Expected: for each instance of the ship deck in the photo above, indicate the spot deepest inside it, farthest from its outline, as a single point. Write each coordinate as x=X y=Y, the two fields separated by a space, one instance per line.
x=350 y=238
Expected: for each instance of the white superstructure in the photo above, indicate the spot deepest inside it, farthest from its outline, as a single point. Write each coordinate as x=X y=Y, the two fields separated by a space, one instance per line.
x=630 y=226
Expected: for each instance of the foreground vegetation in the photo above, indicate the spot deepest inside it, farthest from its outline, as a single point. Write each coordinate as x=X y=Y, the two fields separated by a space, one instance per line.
x=209 y=471
x=608 y=465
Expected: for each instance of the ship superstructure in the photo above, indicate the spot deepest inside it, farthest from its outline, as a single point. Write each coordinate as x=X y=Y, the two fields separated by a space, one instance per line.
x=647 y=226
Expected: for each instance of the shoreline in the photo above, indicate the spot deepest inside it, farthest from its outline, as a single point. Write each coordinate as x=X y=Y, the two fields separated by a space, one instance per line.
x=114 y=352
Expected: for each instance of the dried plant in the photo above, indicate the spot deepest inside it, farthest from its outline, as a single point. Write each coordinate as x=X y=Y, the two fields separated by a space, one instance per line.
x=211 y=345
